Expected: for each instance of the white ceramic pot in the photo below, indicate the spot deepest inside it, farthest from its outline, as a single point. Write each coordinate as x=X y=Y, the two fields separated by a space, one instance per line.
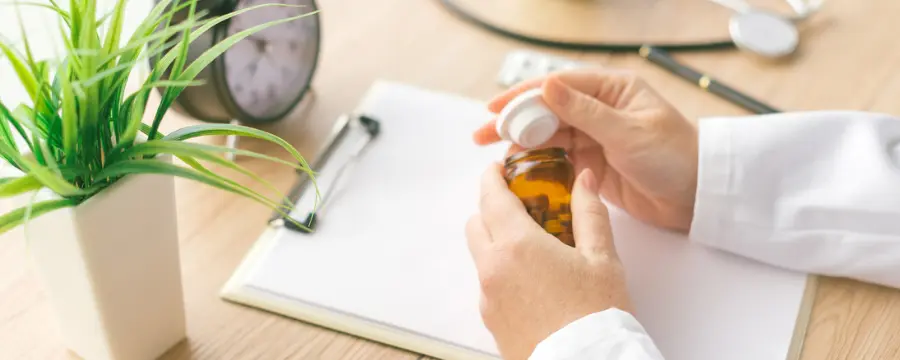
x=110 y=268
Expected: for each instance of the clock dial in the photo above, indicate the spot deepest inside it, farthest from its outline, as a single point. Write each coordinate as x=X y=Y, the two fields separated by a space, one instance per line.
x=268 y=71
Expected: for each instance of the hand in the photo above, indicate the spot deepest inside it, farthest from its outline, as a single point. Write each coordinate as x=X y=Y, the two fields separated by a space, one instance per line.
x=532 y=284
x=616 y=125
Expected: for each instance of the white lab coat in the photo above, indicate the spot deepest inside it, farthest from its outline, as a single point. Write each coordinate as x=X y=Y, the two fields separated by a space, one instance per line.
x=817 y=192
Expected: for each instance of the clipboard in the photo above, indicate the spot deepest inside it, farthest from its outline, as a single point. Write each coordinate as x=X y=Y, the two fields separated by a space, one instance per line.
x=415 y=288
x=344 y=124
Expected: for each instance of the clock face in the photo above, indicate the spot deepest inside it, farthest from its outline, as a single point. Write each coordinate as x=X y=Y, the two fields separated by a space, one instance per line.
x=267 y=72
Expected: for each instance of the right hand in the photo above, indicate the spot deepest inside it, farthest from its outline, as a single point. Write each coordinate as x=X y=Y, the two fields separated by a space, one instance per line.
x=532 y=284
x=642 y=149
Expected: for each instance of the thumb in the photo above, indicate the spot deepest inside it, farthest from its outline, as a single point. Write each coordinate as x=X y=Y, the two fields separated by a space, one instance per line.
x=590 y=218
x=582 y=111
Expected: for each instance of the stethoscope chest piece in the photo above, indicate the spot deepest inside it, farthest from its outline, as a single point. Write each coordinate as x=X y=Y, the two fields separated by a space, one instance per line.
x=765 y=34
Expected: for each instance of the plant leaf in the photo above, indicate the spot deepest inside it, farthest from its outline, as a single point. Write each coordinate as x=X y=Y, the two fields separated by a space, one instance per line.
x=5 y=132
x=190 y=152
x=176 y=71
x=153 y=147
x=19 y=185
x=53 y=6
x=240 y=130
x=69 y=118
x=131 y=50
x=217 y=50
x=25 y=116
x=115 y=27
x=9 y=152
x=146 y=130
x=7 y=115
x=150 y=166
x=170 y=56
x=16 y=217
x=195 y=131
x=54 y=181
x=75 y=11
x=22 y=71
x=29 y=56
x=146 y=32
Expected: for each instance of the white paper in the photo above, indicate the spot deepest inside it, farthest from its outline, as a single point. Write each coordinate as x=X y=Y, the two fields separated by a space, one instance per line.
x=391 y=247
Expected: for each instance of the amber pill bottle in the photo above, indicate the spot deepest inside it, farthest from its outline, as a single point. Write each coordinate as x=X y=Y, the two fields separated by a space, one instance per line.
x=542 y=179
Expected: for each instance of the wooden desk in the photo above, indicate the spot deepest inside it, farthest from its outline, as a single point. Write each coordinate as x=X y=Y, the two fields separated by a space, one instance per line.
x=849 y=61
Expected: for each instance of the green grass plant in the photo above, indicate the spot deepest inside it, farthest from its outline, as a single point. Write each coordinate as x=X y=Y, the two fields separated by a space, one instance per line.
x=83 y=130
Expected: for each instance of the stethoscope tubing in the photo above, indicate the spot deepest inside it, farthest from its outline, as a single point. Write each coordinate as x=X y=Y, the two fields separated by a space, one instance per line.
x=464 y=15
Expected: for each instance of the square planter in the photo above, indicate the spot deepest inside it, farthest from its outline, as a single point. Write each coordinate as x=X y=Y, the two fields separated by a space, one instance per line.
x=110 y=268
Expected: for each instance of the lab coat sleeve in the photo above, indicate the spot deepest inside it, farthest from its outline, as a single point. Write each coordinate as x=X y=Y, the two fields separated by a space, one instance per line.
x=815 y=192
x=612 y=334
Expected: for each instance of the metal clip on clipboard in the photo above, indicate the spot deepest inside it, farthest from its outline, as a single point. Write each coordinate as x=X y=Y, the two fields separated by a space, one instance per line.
x=353 y=131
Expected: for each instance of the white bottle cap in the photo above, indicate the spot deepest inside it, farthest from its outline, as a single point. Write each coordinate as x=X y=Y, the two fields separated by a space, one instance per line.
x=527 y=121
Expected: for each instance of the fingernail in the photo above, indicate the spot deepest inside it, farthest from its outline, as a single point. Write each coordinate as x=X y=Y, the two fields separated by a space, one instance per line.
x=556 y=92
x=589 y=180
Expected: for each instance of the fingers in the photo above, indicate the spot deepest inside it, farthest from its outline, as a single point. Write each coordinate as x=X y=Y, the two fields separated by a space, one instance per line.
x=584 y=99
x=580 y=109
x=590 y=219
x=609 y=86
x=503 y=213
x=497 y=103
x=487 y=133
x=605 y=85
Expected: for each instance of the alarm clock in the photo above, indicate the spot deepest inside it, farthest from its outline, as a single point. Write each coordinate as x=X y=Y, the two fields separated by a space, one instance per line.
x=261 y=78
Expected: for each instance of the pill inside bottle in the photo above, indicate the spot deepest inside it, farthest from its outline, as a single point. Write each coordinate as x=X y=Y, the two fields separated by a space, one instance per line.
x=543 y=179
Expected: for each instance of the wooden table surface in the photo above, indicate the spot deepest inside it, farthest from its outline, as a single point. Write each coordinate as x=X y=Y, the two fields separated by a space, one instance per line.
x=849 y=60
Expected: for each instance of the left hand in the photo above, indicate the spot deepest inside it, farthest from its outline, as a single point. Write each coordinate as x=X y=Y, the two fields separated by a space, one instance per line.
x=533 y=284
x=614 y=123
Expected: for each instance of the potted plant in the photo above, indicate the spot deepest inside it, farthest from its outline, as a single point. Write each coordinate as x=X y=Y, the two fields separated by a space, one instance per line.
x=98 y=182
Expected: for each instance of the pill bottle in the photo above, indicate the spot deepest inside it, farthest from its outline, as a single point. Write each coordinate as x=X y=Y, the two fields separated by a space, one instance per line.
x=543 y=180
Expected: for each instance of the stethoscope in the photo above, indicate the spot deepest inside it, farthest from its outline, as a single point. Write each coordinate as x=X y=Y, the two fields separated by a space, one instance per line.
x=765 y=33
x=753 y=30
